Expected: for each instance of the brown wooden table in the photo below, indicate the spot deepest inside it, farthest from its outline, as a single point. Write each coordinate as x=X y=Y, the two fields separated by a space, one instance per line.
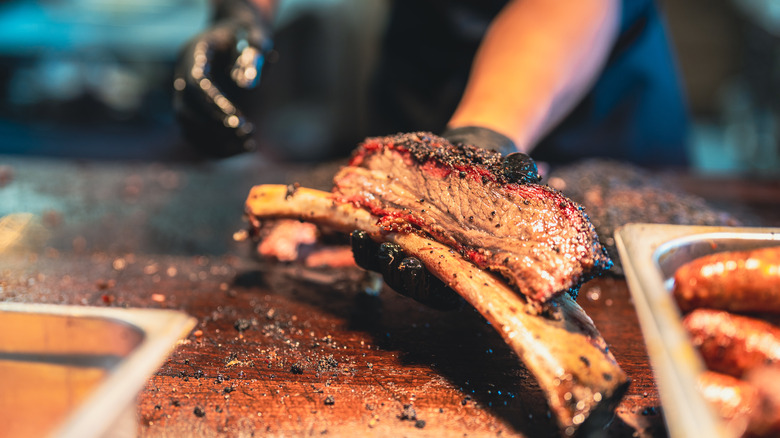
x=278 y=349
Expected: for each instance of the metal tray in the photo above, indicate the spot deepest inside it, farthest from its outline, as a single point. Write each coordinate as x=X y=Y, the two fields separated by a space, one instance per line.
x=651 y=254
x=75 y=371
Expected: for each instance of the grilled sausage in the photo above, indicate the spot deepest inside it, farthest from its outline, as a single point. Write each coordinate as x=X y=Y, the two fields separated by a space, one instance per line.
x=733 y=344
x=749 y=407
x=765 y=416
x=739 y=281
x=734 y=400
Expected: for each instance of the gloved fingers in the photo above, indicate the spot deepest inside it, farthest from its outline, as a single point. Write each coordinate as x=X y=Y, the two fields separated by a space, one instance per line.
x=205 y=101
x=214 y=133
x=389 y=256
x=517 y=166
x=364 y=250
x=413 y=275
x=246 y=68
x=208 y=126
x=252 y=43
x=210 y=119
x=405 y=275
x=214 y=73
x=426 y=287
x=481 y=137
x=520 y=168
x=253 y=25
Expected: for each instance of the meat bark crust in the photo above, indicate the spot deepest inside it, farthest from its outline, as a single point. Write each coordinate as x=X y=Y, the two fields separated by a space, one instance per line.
x=579 y=375
x=541 y=242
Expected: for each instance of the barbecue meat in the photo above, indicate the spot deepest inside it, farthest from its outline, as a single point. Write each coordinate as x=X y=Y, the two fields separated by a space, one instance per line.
x=536 y=238
x=467 y=215
x=561 y=346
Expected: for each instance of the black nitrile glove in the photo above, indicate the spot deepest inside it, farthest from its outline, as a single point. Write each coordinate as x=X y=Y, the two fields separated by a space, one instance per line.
x=214 y=73
x=407 y=275
x=481 y=137
x=517 y=166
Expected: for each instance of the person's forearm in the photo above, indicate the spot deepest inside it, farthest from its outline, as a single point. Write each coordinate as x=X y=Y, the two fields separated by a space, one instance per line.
x=536 y=62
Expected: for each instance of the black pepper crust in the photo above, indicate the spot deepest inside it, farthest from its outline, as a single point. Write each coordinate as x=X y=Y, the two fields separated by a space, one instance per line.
x=425 y=146
x=539 y=240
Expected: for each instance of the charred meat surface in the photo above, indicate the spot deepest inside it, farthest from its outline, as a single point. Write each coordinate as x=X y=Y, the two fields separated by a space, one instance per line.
x=561 y=347
x=464 y=197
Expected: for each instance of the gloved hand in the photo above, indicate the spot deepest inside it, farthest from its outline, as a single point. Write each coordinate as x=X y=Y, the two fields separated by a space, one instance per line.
x=213 y=74
x=407 y=275
x=517 y=166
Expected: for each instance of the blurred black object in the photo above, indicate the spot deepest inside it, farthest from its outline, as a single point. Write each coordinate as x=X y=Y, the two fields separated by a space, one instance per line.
x=214 y=75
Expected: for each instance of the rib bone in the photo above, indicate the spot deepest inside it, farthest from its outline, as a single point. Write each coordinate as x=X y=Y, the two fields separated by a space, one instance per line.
x=561 y=346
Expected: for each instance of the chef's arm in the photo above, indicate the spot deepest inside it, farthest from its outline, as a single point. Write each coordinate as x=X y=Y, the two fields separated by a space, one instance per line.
x=537 y=60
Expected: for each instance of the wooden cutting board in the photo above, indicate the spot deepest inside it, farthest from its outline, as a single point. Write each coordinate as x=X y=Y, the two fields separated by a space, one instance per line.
x=283 y=350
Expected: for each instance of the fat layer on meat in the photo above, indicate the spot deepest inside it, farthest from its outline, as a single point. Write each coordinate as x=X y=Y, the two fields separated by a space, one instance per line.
x=561 y=347
x=539 y=240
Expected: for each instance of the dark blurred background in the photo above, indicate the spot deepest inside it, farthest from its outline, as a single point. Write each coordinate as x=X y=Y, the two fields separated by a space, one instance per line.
x=92 y=78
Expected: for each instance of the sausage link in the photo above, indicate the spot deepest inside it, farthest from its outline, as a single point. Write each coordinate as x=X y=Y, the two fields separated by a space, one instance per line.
x=739 y=281
x=765 y=416
x=733 y=399
x=749 y=407
x=733 y=344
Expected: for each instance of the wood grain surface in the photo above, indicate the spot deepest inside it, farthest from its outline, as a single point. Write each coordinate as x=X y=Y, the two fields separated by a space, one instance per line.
x=280 y=350
x=285 y=351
